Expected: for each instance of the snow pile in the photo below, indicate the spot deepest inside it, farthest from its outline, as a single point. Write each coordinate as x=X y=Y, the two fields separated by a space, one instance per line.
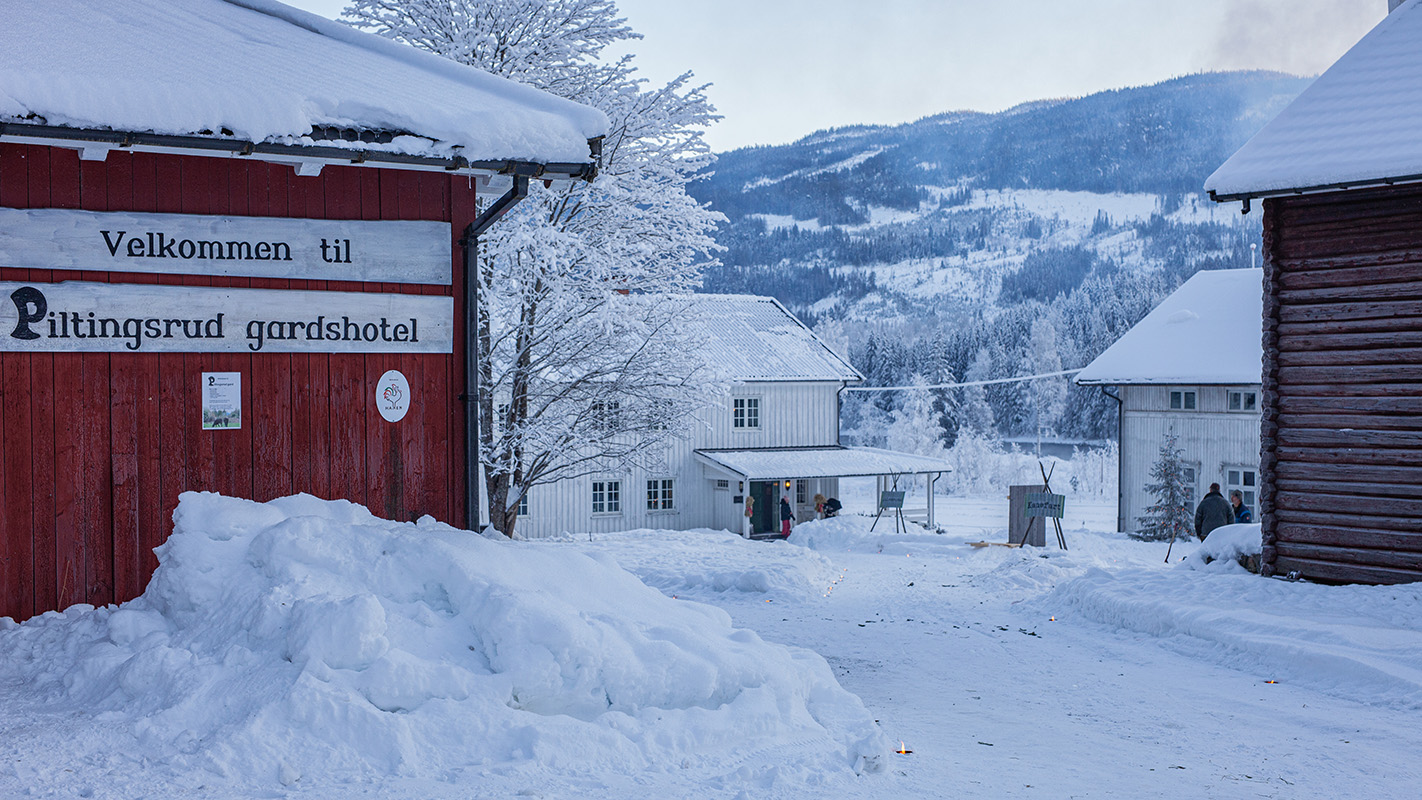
x=1226 y=547
x=303 y=637
x=700 y=563
x=850 y=533
x=1359 y=642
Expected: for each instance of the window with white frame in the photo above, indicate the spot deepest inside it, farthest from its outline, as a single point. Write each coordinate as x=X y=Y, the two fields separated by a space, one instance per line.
x=745 y=413
x=523 y=505
x=661 y=494
x=606 y=497
x=1183 y=400
x=1245 y=481
x=1243 y=401
x=723 y=486
x=802 y=492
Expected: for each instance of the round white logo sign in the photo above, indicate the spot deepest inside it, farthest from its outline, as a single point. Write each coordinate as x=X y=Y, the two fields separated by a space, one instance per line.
x=392 y=396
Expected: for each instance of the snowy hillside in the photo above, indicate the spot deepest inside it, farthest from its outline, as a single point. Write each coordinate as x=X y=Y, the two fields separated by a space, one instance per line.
x=949 y=237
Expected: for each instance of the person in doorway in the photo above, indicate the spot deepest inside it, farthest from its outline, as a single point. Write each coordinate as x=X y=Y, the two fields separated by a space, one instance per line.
x=1241 y=511
x=832 y=507
x=1212 y=512
x=786 y=515
x=820 y=506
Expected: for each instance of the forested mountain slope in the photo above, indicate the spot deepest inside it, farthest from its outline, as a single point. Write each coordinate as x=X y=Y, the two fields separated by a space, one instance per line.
x=934 y=248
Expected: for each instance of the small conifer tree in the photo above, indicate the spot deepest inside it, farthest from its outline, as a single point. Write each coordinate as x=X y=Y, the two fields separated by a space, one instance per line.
x=1169 y=517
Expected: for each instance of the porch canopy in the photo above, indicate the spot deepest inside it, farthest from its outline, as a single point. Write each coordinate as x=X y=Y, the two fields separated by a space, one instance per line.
x=782 y=463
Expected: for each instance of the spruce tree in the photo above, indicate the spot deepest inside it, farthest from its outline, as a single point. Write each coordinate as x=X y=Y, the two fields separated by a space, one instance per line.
x=1169 y=517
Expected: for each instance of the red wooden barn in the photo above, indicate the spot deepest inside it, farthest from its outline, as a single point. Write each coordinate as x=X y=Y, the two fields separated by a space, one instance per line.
x=1340 y=177
x=231 y=259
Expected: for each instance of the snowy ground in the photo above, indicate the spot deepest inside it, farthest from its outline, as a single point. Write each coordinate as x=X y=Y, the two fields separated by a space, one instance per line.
x=1096 y=672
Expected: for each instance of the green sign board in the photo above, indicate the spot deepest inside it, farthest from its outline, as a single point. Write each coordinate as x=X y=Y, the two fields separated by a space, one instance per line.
x=1046 y=504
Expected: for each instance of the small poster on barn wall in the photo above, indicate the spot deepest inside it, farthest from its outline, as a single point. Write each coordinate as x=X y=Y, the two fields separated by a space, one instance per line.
x=221 y=401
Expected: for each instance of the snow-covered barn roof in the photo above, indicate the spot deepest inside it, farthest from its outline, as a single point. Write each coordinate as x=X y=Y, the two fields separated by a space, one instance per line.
x=754 y=338
x=262 y=72
x=1357 y=124
x=772 y=464
x=1208 y=332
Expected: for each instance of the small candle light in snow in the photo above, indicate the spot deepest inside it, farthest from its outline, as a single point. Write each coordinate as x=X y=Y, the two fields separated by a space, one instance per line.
x=1271 y=681
x=903 y=751
x=1051 y=619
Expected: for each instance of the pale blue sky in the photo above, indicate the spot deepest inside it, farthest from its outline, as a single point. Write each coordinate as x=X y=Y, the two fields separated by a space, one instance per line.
x=780 y=69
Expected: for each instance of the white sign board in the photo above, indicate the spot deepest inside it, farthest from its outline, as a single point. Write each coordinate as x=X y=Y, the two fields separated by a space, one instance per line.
x=256 y=247
x=392 y=396
x=221 y=401
x=147 y=318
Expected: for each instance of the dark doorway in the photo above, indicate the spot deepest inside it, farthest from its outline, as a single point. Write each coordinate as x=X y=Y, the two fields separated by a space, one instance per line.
x=766 y=518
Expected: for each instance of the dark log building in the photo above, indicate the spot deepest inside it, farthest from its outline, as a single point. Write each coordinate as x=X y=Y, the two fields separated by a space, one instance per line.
x=1339 y=173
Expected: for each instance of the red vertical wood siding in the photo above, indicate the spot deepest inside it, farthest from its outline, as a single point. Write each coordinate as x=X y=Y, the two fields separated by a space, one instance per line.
x=96 y=447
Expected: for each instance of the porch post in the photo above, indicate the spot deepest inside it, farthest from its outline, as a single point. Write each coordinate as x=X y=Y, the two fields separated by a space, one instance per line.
x=932 y=479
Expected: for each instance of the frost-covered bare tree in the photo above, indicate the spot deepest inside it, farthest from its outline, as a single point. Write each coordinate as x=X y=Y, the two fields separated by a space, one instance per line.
x=582 y=345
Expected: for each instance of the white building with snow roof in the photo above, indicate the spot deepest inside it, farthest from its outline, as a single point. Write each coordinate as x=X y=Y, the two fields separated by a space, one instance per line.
x=774 y=433
x=1192 y=366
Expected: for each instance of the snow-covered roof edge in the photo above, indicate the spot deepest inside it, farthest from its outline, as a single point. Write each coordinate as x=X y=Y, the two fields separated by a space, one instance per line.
x=820 y=354
x=1208 y=332
x=824 y=461
x=592 y=122
x=257 y=78
x=821 y=342
x=1346 y=129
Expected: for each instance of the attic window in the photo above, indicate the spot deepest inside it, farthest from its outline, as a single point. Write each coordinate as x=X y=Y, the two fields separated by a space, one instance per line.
x=745 y=413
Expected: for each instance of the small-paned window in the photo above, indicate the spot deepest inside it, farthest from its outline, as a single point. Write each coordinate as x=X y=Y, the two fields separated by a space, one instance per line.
x=1182 y=400
x=661 y=494
x=1243 y=401
x=745 y=413
x=723 y=486
x=802 y=492
x=523 y=505
x=607 y=497
x=606 y=416
x=1243 y=480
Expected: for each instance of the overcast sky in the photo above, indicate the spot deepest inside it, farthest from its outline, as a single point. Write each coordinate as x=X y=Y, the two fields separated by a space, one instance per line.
x=781 y=69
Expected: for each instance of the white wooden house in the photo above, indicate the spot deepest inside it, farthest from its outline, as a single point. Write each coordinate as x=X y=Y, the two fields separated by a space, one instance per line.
x=774 y=433
x=1193 y=365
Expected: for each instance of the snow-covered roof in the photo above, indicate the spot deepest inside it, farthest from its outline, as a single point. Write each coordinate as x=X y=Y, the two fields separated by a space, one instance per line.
x=753 y=338
x=1207 y=332
x=771 y=464
x=267 y=73
x=1358 y=123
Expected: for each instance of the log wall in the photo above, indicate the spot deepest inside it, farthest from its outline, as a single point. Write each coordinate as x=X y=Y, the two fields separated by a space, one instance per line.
x=1341 y=445
x=96 y=447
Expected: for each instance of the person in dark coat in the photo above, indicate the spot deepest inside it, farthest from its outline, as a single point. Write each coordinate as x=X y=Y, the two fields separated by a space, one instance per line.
x=1212 y=512
x=786 y=514
x=1241 y=511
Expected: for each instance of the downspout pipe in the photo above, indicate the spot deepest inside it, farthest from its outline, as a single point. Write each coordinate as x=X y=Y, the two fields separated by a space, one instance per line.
x=1120 y=459
x=470 y=398
x=521 y=173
